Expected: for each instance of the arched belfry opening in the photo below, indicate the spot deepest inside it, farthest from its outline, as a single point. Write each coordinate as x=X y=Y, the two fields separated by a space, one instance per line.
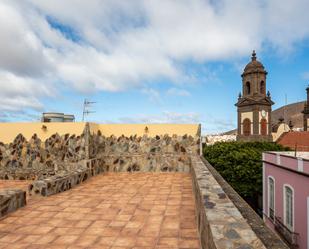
x=254 y=106
x=248 y=88
x=262 y=87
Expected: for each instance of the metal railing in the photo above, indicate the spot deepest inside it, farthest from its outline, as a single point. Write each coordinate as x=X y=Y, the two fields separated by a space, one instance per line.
x=289 y=236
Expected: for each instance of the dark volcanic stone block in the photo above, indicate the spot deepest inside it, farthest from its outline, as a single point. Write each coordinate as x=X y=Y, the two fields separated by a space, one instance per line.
x=11 y=200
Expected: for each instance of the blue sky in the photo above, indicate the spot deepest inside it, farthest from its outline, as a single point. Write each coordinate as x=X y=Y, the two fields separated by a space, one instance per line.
x=148 y=61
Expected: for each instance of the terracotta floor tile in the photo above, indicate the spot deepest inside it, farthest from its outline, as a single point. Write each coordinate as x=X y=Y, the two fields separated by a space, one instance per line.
x=188 y=233
x=129 y=231
x=11 y=238
x=168 y=242
x=169 y=232
x=41 y=230
x=146 y=241
x=30 y=238
x=189 y=243
x=106 y=241
x=66 y=239
x=84 y=223
x=125 y=241
x=45 y=239
x=86 y=240
x=114 y=210
x=110 y=231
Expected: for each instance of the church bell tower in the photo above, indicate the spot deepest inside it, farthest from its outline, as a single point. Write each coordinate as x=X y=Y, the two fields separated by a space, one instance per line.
x=254 y=104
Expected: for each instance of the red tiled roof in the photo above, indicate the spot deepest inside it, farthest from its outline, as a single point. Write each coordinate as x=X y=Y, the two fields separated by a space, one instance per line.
x=299 y=139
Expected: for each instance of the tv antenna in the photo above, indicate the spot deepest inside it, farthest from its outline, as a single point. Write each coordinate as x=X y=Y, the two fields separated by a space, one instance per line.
x=86 y=106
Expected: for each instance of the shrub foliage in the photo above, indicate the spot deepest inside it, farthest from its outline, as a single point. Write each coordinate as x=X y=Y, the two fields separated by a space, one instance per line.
x=240 y=164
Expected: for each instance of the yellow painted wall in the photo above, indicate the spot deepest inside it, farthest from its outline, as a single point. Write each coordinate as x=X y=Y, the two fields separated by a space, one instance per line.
x=8 y=131
x=153 y=129
x=281 y=129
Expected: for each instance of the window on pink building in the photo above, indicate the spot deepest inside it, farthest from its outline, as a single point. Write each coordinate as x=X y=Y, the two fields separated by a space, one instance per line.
x=288 y=214
x=271 y=196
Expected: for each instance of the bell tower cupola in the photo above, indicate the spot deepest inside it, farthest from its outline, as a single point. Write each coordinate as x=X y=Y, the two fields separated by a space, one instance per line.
x=254 y=104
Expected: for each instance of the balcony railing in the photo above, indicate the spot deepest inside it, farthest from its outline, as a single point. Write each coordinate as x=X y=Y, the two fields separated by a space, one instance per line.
x=285 y=233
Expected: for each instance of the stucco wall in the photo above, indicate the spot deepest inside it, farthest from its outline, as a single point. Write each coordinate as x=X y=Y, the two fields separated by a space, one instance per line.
x=8 y=131
x=281 y=129
x=153 y=129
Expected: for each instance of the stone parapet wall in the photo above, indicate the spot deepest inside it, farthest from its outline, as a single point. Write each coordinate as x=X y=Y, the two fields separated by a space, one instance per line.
x=58 y=183
x=151 y=162
x=266 y=235
x=220 y=223
x=11 y=200
x=63 y=182
x=37 y=160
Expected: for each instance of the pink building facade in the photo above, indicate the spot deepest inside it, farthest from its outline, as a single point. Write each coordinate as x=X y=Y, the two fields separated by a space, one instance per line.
x=286 y=196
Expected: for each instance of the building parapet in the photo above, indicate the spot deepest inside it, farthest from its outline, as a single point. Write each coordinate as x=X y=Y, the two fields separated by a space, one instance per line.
x=226 y=213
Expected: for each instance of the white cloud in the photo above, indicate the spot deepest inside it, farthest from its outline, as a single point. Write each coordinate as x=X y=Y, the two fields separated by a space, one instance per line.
x=20 y=93
x=178 y=92
x=153 y=95
x=129 y=44
x=164 y=117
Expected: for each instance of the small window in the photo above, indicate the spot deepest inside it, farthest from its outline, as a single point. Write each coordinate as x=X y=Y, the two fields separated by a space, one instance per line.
x=271 y=198
x=262 y=87
x=288 y=207
x=247 y=127
x=248 y=88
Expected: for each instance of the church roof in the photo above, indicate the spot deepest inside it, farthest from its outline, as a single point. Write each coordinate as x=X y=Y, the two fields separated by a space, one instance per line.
x=254 y=100
x=254 y=66
x=295 y=140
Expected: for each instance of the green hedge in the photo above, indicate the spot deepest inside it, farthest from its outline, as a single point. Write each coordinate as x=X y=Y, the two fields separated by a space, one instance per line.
x=240 y=164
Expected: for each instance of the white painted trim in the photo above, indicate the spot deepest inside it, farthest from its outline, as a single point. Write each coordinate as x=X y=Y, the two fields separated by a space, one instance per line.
x=300 y=165
x=278 y=159
x=308 y=222
x=268 y=196
x=284 y=205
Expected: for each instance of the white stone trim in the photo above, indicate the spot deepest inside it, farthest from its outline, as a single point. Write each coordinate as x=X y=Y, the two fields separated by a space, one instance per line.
x=284 y=206
x=300 y=165
x=278 y=159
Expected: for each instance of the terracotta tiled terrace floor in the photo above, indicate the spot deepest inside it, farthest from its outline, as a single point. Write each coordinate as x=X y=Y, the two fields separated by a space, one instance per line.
x=115 y=211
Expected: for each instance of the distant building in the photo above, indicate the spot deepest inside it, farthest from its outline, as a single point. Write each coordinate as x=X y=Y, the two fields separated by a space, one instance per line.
x=296 y=140
x=254 y=105
x=306 y=112
x=57 y=117
x=286 y=196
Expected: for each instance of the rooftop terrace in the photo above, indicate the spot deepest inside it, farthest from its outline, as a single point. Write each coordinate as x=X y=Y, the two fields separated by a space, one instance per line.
x=116 y=210
x=96 y=191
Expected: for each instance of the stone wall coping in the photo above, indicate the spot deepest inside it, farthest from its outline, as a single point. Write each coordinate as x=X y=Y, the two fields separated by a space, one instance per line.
x=222 y=226
x=265 y=234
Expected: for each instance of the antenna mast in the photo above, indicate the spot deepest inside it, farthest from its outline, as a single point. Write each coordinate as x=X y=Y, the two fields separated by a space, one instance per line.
x=86 y=110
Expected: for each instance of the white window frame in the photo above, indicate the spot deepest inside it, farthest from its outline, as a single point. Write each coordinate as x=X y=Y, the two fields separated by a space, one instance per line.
x=268 y=197
x=284 y=207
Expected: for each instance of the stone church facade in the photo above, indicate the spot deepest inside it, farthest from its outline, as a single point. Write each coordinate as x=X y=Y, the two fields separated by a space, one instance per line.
x=254 y=104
